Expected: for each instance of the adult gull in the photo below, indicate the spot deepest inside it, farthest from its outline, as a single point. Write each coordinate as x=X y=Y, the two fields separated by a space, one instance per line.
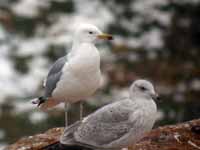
x=77 y=75
x=116 y=125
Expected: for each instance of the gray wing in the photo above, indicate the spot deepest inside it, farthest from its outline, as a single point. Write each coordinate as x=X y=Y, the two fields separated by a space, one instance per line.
x=54 y=75
x=108 y=124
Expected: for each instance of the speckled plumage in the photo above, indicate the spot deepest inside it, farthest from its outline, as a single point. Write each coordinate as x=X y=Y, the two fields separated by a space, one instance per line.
x=118 y=124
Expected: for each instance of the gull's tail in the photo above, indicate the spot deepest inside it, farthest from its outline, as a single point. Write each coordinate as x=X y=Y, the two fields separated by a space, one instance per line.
x=68 y=141
x=44 y=103
x=67 y=137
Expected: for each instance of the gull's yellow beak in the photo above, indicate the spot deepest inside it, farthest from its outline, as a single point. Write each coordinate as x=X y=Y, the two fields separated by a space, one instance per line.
x=105 y=36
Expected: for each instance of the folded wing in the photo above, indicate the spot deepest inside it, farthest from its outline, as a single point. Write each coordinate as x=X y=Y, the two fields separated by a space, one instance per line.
x=107 y=125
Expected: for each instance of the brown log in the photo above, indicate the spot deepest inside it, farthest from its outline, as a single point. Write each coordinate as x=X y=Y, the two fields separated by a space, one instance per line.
x=183 y=136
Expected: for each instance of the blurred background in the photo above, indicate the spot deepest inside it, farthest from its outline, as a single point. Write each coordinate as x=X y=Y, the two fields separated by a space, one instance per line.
x=157 y=40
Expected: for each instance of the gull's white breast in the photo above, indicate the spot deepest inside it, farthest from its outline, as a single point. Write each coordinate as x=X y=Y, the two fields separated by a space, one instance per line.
x=146 y=117
x=147 y=120
x=81 y=75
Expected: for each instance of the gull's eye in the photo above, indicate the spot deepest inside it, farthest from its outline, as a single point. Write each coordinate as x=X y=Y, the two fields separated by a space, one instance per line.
x=90 y=32
x=143 y=88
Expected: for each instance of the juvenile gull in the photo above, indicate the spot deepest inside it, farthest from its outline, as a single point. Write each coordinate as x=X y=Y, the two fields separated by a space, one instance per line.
x=77 y=75
x=116 y=125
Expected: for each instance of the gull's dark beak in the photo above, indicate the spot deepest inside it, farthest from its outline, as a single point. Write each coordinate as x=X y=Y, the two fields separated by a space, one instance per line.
x=105 y=36
x=155 y=97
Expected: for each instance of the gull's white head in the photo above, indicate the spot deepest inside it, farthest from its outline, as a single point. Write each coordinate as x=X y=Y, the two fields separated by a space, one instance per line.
x=143 y=89
x=89 y=33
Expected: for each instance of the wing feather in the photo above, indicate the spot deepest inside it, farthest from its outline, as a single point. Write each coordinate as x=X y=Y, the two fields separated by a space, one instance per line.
x=107 y=125
x=54 y=76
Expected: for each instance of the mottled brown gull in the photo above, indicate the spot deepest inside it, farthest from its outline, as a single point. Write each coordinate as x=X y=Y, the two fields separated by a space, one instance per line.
x=116 y=125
